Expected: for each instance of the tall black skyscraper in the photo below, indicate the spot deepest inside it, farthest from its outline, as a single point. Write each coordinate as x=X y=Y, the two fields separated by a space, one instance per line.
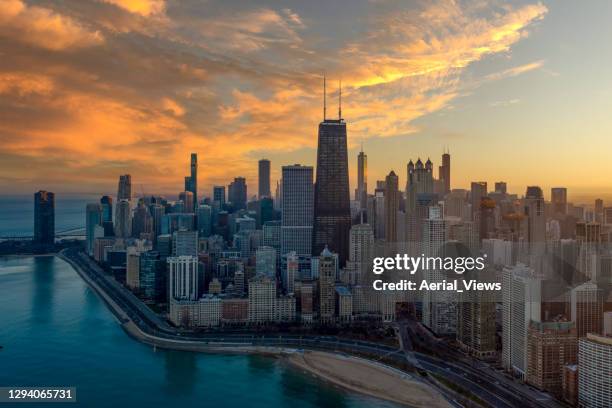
x=124 y=192
x=264 y=178
x=332 y=198
x=191 y=182
x=44 y=217
x=107 y=208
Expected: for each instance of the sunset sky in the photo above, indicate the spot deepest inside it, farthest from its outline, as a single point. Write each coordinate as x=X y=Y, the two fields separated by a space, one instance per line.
x=89 y=89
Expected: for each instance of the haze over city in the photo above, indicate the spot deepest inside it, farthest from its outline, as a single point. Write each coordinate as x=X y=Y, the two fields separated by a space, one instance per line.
x=94 y=89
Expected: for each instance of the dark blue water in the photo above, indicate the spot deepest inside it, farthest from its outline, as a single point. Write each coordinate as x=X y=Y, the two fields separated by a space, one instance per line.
x=57 y=332
x=17 y=213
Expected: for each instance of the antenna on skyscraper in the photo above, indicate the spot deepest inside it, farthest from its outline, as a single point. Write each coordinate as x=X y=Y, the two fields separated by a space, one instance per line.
x=324 y=99
x=340 y=101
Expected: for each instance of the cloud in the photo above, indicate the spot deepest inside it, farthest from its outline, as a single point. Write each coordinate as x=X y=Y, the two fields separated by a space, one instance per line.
x=224 y=79
x=514 y=71
x=42 y=27
x=142 y=7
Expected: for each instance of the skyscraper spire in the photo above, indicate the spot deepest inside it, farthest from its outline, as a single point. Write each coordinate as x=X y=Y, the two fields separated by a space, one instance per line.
x=340 y=100
x=324 y=99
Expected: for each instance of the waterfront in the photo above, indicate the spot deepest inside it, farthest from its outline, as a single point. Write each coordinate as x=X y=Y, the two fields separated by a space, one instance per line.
x=57 y=332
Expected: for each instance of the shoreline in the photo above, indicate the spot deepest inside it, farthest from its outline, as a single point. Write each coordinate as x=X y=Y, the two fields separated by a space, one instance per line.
x=369 y=378
x=423 y=395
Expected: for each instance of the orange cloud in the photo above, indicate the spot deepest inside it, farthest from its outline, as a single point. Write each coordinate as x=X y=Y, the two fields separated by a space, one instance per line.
x=142 y=7
x=225 y=85
x=42 y=27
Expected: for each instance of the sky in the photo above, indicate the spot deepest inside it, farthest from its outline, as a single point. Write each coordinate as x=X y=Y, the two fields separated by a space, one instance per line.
x=516 y=91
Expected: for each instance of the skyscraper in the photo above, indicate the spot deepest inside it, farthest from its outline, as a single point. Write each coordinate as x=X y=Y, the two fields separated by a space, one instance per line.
x=183 y=277
x=558 y=198
x=477 y=191
x=219 y=195
x=44 y=217
x=93 y=218
x=191 y=184
x=297 y=210
x=188 y=199
x=264 y=179
x=124 y=192
x=123 y=219
x=536 y=219
x=332 y=198
x=107 y=208
x=444 y=172
x=361 y=193
x=501 y=187
x=327 y=279
x=391 y=206
x=237 y=193
x=419 y=181
x=595 y=366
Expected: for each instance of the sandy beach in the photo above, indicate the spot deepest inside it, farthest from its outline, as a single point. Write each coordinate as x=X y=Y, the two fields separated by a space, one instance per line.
x=369 y=378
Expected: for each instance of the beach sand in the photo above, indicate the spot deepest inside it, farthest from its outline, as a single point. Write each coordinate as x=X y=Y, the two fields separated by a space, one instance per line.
x=369 y=378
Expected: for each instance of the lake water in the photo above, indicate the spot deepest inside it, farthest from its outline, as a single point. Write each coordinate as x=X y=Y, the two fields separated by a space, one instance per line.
x=17 y=213
x=57 y=332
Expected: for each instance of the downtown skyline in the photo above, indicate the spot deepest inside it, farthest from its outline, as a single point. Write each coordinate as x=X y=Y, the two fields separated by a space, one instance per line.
x=497 y=85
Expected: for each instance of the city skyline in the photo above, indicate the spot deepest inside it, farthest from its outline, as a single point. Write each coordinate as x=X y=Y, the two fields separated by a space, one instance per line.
x=471 y=77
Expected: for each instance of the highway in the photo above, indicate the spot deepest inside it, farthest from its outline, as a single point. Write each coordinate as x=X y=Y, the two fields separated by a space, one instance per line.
x=476 y=381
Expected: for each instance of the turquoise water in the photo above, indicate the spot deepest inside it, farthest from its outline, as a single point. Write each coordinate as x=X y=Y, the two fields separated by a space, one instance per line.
x=17 y=213
x=57 y=332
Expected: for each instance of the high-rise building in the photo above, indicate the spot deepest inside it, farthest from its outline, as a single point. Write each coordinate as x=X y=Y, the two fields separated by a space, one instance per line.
x=204 y=218
x=187 y=198
x=327 y=279
x=476 y=323
x=219 y=195
x=419 y=181
x=44 y=217
x=293 y=272
x=486 y=217
x=361 y=193
x=272 y=236
x=594 y=368
x=558 y=199
x=599 y=206
x=361 y=250
x=536 y=219
x=123 y=219
x=445 y=172
x=193 y=182
x=124 y=192
x=501 y=187
x=262 y=300
x=550 y=347
x=152 y=279
x=587 y=308
x=521 y=304
x=332 y=210
x=183 y=277
x=297 y=210
x=107 y=208
x=93 y=219
x=264 y=179
x=478 y=189
x=237 y=193
x=185 y=243
x=142 y=222
x=265 y=262
x=391 y=206
x=439 y=307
